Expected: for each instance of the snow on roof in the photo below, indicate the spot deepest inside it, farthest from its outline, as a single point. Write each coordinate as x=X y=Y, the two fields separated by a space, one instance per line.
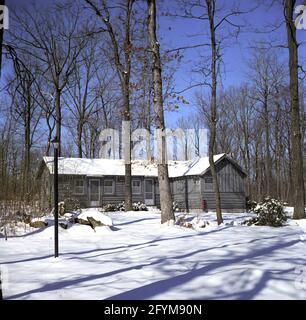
x=115 y=167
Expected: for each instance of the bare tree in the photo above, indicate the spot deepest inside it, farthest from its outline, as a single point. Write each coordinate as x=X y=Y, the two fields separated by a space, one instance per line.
x=55 y=42
x=221 y=25
x=106 y=110
x=46 y=102
x=123 y=66
x=163 y=176
x=142 y=77
x=210 y=7
x=192 y=147
x=296 y=141
x=7 y=124
x=81 y=94
x=25 y=110
x=2 y=2
x=261 y=66
x=239 y=112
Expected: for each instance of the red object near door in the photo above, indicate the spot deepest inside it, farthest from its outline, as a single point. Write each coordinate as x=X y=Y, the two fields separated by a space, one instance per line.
x=203 y=204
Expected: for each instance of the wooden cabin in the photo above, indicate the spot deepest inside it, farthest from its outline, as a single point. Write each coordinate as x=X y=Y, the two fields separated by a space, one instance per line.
x=96 y=182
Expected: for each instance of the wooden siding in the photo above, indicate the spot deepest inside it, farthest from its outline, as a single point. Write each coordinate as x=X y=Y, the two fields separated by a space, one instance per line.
x=189 y=194
x=231 y=184
x=188 y=191
x=67 y=190
x=118 y=195
x=229 y=200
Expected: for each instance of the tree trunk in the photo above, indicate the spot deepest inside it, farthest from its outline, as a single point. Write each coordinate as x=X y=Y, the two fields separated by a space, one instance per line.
x=127 y=116
x=162 y=167
x=128 y=166
x=50 y=131
x=296 y=145
x=27 y=147
x=278 y=147
x=124 y=72
x=248 y=168
x=2 y=2
x=58 y=119
x=79 y=138
x=268 y=168
x=213 y=115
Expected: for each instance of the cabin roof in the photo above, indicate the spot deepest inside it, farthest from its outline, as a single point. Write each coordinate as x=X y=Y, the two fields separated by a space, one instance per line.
x=116 y=167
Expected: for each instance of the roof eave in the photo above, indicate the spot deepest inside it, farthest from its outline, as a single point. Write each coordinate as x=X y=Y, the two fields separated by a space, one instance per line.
x=229 y=159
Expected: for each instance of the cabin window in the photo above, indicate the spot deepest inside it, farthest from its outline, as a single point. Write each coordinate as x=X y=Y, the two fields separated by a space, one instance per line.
x=79 y=186
x=194 y=185
x=109 y=187
x=120 y=179
x=136 y=187
x=156 y=187
x=180 y=186
x=208 y=184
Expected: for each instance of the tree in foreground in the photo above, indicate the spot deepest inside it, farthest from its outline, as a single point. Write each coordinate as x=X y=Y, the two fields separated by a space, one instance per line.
x=123 y=65
x=163 y=176
x=296 y=135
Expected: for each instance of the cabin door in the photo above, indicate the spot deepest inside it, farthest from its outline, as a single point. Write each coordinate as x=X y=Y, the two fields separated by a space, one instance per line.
x=149 y=192
x=94 y=192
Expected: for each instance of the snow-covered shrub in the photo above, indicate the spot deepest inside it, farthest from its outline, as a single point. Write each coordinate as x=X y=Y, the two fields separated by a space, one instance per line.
x=250 y=205
x=71 y=205
x=139 y=206
x=109 y=207
x=175 y=206
x=22 y=217
x=120 y=206
x=136 y=206
x=270 y=212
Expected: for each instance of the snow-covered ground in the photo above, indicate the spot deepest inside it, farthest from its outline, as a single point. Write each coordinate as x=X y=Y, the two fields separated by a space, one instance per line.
x=137 y=258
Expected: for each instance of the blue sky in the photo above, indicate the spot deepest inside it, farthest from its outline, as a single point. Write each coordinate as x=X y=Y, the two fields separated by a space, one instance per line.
x=235 y=56
x=175 y=32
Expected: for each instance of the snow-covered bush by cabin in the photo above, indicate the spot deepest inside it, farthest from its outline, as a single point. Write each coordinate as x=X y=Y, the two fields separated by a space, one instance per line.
x=175 y=206
x=270 y=212
x=72 y=205
x=136 y=206
x=250 y=205
x=109 y=207
x=139 y=206
x=120 y=206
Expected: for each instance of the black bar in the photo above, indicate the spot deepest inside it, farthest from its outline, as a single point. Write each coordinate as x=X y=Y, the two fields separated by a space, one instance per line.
x=55 y=202
x=1 y=296
x=211 y=310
